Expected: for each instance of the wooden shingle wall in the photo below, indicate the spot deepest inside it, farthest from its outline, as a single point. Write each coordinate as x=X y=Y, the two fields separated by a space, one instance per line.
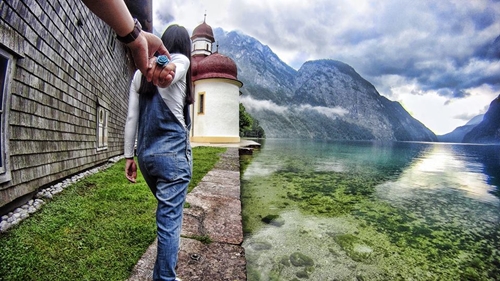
x=66 y=63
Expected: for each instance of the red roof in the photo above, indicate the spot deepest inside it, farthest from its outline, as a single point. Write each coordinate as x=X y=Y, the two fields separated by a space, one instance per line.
x=204 y=31
x=215 y=66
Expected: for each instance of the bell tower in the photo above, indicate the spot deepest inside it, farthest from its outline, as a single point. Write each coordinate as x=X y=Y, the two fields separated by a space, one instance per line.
x=202 y=38
x=215 y=112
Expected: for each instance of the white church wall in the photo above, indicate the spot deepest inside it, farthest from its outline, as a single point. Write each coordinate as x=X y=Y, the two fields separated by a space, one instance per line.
x=219 y=121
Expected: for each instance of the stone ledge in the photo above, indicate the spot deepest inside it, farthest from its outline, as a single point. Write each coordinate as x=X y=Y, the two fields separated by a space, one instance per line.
x=214 y=261
x=215 y=211
x=216 y=217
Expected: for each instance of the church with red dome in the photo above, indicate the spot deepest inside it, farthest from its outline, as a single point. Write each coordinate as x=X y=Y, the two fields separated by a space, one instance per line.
x=215 y=113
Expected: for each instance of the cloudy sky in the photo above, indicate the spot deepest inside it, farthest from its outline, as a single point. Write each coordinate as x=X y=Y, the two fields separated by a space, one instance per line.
x=439 y=59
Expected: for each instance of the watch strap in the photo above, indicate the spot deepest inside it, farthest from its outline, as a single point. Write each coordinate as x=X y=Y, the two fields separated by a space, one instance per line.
x=129 y=38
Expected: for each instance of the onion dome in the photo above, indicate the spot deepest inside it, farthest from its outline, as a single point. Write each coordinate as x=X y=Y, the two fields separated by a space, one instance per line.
x=203 y=31
x=216 y=66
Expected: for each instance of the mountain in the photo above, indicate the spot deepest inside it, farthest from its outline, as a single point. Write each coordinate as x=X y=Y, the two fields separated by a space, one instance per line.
x=488 y=131
x=458 y=134
x=324 y=99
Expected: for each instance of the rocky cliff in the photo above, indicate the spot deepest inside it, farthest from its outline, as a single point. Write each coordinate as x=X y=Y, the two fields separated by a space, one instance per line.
x=324 y=99
x=488 y=131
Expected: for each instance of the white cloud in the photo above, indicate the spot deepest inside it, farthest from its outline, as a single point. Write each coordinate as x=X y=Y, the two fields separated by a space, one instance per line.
x=442 y=116
x=404 y=47
x=328 y=111
x=257 y=105
x=252 y=104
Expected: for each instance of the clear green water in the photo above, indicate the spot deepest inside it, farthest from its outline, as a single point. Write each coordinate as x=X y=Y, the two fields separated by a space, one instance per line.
x=371 y=211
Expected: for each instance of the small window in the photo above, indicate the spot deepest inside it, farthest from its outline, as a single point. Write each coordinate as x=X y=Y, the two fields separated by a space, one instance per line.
x=111 y=40
x=201 y=107
x=102 y=127
x=4 y=63
x=6 y=70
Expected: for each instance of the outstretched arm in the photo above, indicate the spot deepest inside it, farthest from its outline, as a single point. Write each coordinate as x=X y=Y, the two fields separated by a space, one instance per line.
x=113 y=12
x=116 y=14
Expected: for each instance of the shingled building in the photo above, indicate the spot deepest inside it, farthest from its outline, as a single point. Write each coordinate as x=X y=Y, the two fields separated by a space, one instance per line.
x=64 y=81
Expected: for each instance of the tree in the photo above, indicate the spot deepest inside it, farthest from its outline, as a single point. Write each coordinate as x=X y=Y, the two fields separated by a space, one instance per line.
x=246 y=121
x=249 y=127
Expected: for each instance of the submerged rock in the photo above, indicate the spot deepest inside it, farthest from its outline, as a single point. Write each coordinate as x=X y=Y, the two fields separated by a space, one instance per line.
x=302 y=274
x=354 y=247
x=273 y=220
x=284 y=260
x=299 y=259
x=261 y=246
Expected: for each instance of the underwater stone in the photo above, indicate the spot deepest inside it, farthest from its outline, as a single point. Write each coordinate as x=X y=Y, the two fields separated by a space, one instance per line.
x=299 y=259
x=361 y=252
x=273 y=220
x=360 y=278
x=284 y=260
x=354 y=247
x=302 y=274
x=260 y=246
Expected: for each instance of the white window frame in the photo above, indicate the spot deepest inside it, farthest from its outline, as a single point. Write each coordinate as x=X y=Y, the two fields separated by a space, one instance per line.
x=9 y=68
x=111 y=41
x=102 y=118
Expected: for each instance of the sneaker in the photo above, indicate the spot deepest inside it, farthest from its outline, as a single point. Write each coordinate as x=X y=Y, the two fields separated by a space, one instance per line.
x=178 y=279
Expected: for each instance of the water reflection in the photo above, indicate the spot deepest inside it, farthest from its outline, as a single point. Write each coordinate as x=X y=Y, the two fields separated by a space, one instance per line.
x=441 y=167
x=489 y=157
x=371 y=211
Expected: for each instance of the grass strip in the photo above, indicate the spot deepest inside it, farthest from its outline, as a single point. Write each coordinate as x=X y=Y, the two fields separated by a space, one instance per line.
x=96 y=229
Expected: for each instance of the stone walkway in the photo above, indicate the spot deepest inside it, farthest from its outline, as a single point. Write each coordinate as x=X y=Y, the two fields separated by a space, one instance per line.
x=214 y=212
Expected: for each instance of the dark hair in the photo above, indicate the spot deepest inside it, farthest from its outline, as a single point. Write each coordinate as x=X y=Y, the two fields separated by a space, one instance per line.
x=176 y=39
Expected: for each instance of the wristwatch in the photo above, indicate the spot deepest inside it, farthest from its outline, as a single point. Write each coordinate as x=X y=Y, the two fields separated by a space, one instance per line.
x=129 y=38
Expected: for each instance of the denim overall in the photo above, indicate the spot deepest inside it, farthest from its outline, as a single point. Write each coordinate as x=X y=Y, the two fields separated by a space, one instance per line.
x=164 y=156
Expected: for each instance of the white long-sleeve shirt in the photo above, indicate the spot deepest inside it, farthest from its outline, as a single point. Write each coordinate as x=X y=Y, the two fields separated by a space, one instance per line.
x=174 y=96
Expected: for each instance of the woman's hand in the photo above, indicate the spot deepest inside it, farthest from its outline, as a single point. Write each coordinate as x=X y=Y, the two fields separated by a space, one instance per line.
x=161 y=76
x=131 y=170
x=143 y=48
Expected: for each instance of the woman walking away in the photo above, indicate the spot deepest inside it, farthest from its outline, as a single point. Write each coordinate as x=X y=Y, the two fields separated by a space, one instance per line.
x=160 y=119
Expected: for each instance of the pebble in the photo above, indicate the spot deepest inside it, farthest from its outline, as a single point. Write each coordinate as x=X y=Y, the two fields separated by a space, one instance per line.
x=13 y=218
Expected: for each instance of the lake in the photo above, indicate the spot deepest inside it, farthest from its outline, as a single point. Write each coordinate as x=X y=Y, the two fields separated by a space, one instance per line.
x=317 y=210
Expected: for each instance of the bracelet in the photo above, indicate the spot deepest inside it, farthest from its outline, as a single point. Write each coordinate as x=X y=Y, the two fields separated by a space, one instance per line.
x=129 y=38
